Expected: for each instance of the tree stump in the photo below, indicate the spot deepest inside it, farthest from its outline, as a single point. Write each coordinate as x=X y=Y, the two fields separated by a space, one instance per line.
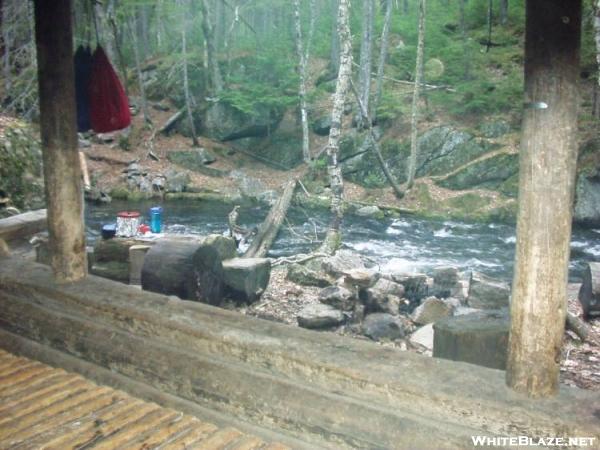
x=189 y=269
x=589 y=294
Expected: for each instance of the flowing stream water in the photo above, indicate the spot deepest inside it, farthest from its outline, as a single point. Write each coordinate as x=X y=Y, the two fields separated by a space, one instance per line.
x=406 y=244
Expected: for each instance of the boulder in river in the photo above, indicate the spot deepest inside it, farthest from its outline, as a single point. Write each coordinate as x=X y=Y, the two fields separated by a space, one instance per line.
x=446 y=282
x=415 y=284
x=319 y=316
x=487 y=293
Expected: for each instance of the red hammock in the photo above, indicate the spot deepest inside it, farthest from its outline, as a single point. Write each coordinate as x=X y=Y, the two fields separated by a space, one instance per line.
x=109 y=107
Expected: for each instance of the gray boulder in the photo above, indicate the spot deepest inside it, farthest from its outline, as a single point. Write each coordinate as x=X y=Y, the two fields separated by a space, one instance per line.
x=430 y=311
x=339 y=297
x=322 y=125
x=342 y=262
x=372 y=212
x=490 y=173
x=384 y=296
x=446 y=282
x=301 y=274
x=194 y=159
x=487 y=293
x=382 y=326
x=176 y=181
x=318 y=316
x=246 y=279
x=415 y=284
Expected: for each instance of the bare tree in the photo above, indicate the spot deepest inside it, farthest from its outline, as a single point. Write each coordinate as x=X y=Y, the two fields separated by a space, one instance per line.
x=412 y=162
x=547 y=168
x=596 y=105
x=366 y=56
x=503 y=12
x=186 y=87
x=303 y=54
x=216 y=79
x=336 y=183
x=383 y=50
x=138 y=69
x=334 y=60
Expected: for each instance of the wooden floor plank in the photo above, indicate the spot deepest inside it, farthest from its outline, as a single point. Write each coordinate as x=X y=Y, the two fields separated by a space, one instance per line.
x=246 y=443
x=93 y=402
x=47 y=408
x=123 y=435
x=23 y=398
x=187 y=439
x=218 y=440
x=46 y=432
x=27 y=376
x=36 y=405
x=155 y=434
x=164 y=436
x=79 y=435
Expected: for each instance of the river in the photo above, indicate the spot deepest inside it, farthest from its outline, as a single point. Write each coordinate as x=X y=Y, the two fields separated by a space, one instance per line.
x=409 y=244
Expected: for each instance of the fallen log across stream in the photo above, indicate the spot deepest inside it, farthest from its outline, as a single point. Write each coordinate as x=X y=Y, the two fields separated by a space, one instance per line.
x=267 y=232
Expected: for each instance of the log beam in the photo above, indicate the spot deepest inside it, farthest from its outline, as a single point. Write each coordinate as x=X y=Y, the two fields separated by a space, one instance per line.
x=547 y=162
x=58 y=125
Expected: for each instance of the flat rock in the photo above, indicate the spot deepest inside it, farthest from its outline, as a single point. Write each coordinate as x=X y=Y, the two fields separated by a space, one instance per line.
x=487 y=293
x=318 y=316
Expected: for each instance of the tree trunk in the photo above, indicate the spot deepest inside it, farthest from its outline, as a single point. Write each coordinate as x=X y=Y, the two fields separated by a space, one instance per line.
x=589 y=293
x=597 y=41
x=138 y=70
x=6 y=48
x=270 y=227
x=463 y=31
x=375 y=146
x=332 y=239
x=546 y=188
x=503 y=12
x=412 y=162
x=302 y=55
x=58 y=127
x=334 y=61
x=366 y=56
x=117 y=39
x=213 y=64
x=186 y=87
x=382 y=57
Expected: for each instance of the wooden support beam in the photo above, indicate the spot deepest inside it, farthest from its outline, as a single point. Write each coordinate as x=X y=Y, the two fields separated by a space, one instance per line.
x=58 y=125
x=546 y=186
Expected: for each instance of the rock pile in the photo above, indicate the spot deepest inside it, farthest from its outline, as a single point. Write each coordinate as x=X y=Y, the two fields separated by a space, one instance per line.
x=391 y=306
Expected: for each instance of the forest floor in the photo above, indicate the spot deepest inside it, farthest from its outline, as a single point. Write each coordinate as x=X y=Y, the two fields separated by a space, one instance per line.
x=282 y=301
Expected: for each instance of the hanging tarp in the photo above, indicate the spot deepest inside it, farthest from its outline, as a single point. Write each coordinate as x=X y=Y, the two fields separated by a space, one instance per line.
x=83 y=66
x=109 y=107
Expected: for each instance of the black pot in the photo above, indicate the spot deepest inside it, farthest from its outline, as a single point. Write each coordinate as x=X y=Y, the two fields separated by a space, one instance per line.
x=109 y=231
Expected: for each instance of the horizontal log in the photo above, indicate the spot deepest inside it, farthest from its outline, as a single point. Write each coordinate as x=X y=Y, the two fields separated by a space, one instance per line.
x=23 y=225
x=319 y=385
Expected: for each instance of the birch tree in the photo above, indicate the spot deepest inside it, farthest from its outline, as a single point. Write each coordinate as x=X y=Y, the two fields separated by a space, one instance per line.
x=302 y=55
x=332 y=239
x=366 y=55
x=412 y=162
x=383 y=50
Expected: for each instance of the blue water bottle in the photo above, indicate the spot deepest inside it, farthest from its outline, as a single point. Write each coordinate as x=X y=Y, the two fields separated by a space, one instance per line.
x=156 y=219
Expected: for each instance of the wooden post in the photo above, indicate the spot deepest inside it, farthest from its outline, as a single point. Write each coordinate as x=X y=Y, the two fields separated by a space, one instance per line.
x=546 y=187
x=58 y=124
